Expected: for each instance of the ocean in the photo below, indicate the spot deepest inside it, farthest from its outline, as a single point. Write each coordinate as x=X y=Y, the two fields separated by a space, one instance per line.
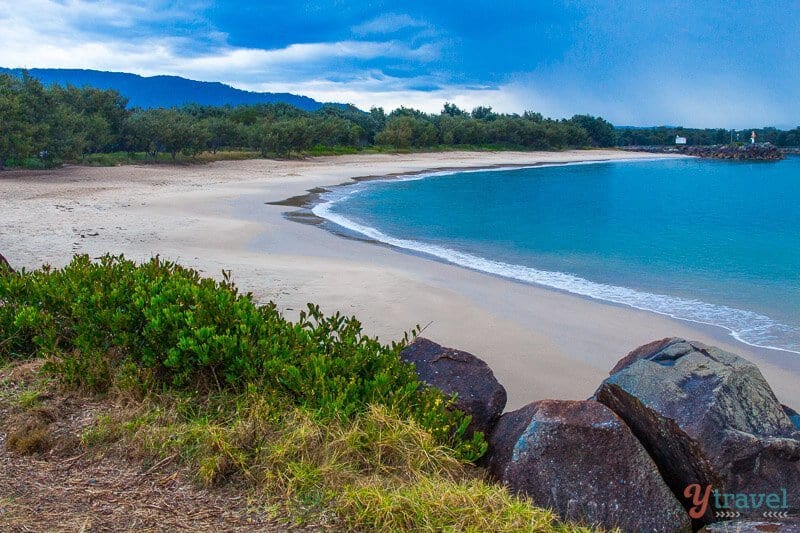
x=712 y=242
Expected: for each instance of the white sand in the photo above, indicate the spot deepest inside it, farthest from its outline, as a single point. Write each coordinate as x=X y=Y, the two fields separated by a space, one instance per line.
x=541 y=343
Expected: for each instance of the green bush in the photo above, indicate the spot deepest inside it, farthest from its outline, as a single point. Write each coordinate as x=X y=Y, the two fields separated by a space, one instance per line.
x=320 y=149
x=159 y=325
x=112 y=159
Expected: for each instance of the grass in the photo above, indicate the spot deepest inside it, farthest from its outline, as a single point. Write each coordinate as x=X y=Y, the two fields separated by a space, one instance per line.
x=141 y=158
x=30 y=436
x=51 y=481
x=375 y=472
x=29 y=398
x=435 y=504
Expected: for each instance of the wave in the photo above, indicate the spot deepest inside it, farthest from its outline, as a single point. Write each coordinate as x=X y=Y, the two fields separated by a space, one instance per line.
x=748 y=327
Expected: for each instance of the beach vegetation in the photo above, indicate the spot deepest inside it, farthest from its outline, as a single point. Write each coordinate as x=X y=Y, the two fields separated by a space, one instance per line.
x=159 y=326
x=312 y=418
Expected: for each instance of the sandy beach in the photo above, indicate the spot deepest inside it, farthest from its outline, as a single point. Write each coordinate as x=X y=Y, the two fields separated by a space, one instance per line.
x=540 y=343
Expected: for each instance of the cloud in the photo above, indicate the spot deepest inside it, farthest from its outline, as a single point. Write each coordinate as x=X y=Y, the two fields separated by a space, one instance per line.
x=376 y=89
x=661 y=96
x=388 y=23
x=57 y=39
x=297 y=58
x=128 y=36
x=86 y=16
x=352 y=71
x=632 y=68
x=119 y=40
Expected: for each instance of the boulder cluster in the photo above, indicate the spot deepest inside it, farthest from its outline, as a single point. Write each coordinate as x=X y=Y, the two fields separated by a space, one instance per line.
x=680 y=436
x=736 y=152
x=746 y=152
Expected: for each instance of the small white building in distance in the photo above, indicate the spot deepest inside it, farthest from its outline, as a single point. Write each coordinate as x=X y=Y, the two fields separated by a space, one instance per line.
x=680 y=140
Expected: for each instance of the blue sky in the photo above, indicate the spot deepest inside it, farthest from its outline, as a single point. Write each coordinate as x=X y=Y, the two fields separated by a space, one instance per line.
x=700 y=63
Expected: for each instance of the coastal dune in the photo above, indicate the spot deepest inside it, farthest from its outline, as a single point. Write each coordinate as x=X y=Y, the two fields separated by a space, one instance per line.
x=540 y=343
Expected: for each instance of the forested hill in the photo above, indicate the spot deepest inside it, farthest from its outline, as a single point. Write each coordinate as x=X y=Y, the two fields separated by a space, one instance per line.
x=163 y=91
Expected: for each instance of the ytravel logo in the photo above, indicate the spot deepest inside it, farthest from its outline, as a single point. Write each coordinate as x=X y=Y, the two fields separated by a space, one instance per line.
x=735 y=504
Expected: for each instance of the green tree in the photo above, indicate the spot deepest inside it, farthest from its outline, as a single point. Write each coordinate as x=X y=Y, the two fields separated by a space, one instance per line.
x=452 y=110
x=222 y=132
x=379 y=117
x=483 y=113
x=405 y=131
x=16 y=131
x=600 y=132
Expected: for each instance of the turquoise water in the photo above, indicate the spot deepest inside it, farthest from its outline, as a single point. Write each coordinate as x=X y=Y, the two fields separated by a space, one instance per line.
x=709 y=241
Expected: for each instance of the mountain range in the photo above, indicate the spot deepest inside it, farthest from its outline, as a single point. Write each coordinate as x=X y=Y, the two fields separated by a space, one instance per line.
x=163 y=91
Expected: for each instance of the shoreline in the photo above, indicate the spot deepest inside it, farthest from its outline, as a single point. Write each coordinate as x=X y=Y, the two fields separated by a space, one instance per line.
x=344 y=227
x=540 y=342
x=312 y=197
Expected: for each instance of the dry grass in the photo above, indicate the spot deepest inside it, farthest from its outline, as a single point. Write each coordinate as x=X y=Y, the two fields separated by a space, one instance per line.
x=432 y=504
x=83 y=493
x=28 y=433
x=231 y=463
x=376 y=472
x=50 y=482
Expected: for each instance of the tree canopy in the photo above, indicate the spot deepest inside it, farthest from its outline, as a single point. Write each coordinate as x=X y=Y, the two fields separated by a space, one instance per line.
x=42 y=125
x=665 y=135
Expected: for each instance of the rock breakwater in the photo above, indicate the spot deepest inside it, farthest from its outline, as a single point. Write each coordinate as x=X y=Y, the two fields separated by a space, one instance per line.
x=732 y=152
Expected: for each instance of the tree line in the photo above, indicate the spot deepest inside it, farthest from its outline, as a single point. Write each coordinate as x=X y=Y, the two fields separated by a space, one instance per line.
x=42 y=125
x=665 y=135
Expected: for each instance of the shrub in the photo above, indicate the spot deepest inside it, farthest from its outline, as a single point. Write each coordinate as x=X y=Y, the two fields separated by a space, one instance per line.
x=161 y=326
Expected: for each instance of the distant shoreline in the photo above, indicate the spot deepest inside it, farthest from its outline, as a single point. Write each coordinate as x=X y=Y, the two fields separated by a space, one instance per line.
x=541 y=343
x=312 y=197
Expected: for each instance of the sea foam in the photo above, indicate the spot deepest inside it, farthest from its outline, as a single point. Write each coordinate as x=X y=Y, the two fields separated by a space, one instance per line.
x=751 y=328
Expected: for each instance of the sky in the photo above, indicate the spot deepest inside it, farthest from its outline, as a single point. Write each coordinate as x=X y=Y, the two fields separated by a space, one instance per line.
x=698 y=63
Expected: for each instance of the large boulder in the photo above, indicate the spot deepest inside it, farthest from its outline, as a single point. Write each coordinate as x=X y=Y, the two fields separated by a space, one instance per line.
x=580 y=459
x=459 y=373
x=708 y=418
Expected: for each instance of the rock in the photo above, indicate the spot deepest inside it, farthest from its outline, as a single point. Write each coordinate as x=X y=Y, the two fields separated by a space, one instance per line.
x=784 y=525
x=4 y=263
x=479 y=394
x=580 y=459
x=745 y=152
x=707 y=417
x=793 y=416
